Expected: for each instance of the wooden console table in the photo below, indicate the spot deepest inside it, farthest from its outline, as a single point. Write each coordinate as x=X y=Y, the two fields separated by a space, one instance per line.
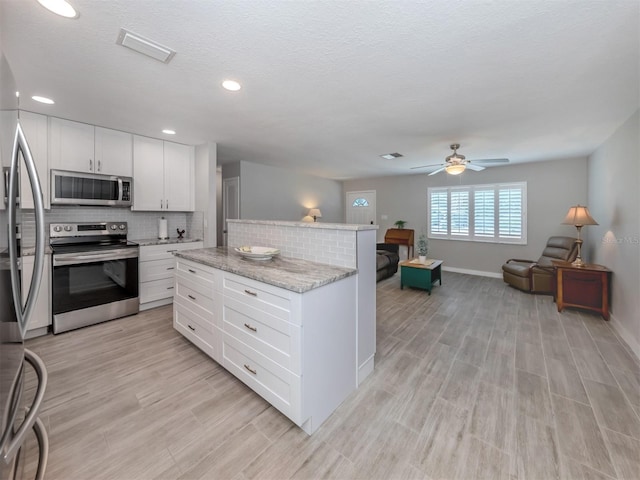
x=582 y=287
x=400 y=236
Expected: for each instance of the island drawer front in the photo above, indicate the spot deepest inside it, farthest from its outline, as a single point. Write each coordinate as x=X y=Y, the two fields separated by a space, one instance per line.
x=157 y=269
x=278 y=340
x=277 y=385
x=206 y=276
x=197 y=330
x=203 y=305
x=273 y=300
x=156 y=290
x=165 y=251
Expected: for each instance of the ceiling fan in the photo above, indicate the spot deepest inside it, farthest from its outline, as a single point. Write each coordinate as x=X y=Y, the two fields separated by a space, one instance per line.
x=457 y=163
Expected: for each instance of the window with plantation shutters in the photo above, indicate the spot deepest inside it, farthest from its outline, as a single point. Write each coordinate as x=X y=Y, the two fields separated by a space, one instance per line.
x=482 y=213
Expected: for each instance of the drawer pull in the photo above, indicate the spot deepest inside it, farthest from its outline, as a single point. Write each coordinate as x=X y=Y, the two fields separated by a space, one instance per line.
x=250 y=369
x=191 y=328
x=253 y=329
x=249 y=292
x=171 y=251
x=169 y=288
x=192 y=271
x=170 y=268
x=191 y=297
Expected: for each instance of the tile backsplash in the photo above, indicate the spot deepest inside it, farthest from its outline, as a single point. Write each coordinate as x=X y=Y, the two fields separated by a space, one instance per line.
x=142 y=225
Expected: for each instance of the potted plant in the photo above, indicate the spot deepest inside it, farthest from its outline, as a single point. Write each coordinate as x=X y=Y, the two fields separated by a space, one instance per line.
x=400 y=224
x=422 y=247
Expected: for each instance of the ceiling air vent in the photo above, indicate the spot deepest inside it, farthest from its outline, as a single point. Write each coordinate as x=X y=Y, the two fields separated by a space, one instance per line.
x=145 y=46
x=391 y=156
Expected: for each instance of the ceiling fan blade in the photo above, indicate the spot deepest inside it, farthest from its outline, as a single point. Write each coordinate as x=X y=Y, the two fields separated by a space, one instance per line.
x=475 y=168
x=427 y=166
x=491 y=160
x=436 y=171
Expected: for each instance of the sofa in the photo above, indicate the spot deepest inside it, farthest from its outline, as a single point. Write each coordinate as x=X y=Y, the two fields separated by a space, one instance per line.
x=539 y=276
x=387 y=259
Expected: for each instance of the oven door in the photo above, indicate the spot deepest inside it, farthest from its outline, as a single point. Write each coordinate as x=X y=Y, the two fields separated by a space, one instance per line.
x=94 y=286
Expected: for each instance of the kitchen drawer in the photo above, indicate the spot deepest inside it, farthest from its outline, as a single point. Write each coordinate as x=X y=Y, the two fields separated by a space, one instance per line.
x=193 y=298
x=273 y=337
x=156 y=290
x=206 y=276
x=157 y=269
x=275 y=384
x=165 y=251
x=197 y=330
x=273 y=300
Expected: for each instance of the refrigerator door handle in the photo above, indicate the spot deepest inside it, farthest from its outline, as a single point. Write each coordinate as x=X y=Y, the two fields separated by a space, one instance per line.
x=43 y=444
x=29 y=421
x=20 y=145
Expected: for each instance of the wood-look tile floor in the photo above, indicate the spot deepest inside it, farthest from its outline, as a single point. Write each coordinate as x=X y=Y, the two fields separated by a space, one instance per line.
x=477 y=380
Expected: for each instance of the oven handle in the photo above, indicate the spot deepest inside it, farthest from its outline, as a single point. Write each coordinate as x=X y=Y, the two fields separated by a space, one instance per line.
x=75 y=259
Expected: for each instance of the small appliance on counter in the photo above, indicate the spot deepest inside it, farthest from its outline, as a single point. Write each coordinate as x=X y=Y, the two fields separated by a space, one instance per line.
x=162 y=229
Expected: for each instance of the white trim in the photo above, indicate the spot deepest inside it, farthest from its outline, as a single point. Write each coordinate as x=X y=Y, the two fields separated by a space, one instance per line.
x=626 y=336
x=478 y=273
x=365 y=369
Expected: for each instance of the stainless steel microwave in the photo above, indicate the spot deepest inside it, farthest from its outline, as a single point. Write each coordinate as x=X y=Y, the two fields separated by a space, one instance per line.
x=77 y=188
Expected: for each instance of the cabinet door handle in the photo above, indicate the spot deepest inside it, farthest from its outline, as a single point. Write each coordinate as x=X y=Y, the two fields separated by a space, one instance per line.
x=191 y=328
x=191 y=297
x=252 y=370
x=99 y=165
x=253 y=329
x=160 y=204
x=192 y=271
x=167 y=202
x=170 y=268
x=249 y=292
x=90 y=165
x=169 y=288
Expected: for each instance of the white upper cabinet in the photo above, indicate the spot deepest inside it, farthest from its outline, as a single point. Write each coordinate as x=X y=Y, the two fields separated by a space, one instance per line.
x=71 y=146
x=35 y=128
x=113 y=152
x=163 y=175
x=84 y=148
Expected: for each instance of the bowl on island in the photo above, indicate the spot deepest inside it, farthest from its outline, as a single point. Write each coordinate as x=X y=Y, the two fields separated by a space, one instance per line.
x=257 y=253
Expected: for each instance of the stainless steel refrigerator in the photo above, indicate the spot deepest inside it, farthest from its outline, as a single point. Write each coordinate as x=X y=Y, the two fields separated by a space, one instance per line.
x=19 y=420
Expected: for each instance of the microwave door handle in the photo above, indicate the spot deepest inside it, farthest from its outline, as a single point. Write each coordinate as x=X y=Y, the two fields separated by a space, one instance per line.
x=119 y=189
x=20 y=146
x=28 y=422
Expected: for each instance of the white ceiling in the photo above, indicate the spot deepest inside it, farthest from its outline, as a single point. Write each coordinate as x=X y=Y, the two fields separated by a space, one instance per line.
x=328 y=86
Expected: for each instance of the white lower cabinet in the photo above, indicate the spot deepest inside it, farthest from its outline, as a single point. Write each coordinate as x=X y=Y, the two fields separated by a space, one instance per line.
x=41 y=317
x=297 y=351
x=156 y=272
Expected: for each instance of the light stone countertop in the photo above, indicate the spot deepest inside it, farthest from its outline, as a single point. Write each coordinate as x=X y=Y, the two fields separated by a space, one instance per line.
x=291 y=274
x=319 y=225
x=145 y=242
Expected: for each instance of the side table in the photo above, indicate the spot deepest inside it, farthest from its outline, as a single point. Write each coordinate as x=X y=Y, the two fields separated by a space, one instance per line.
x=582 y=287
x=413 y=273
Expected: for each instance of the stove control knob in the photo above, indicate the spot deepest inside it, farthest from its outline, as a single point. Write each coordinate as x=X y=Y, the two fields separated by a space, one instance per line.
x=67 y=228
x=112 y=227
x=57 y=228
x=122 y=226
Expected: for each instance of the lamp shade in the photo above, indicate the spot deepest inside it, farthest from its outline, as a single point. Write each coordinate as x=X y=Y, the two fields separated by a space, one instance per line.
x=579 y=215
x=315 y=212
x=455 y=169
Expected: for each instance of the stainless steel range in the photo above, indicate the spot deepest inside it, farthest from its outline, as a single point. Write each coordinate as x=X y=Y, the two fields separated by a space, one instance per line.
x=94 y=274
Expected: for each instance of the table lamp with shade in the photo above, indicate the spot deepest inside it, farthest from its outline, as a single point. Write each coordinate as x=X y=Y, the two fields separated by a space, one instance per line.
x=315 y=213
x=579 y=216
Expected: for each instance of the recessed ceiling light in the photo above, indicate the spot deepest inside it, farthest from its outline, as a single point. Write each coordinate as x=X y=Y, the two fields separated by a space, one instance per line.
x=59 y=7
x=391 y=156
x=231 y=85
x=168 y=131
x=40 y=99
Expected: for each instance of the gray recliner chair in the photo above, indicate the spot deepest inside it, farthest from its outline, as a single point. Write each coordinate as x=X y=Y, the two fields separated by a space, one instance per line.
x=538 y=276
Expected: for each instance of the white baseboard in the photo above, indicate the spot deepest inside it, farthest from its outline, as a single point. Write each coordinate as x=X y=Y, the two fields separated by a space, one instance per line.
x=626 y=336
x=478 y=273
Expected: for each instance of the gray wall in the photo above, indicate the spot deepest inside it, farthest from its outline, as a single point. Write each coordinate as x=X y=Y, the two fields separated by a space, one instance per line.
x=614 y=202
x=552 y=187
x=272 y=193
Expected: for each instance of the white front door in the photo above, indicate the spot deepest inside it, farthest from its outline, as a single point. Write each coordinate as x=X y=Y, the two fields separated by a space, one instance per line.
x=361 y=207
x=230 y=203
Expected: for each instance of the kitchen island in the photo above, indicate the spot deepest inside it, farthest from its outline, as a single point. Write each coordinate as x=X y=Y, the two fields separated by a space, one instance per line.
x=286 y=327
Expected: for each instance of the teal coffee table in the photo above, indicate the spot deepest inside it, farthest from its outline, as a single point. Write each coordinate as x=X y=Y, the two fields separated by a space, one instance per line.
x=413 y=273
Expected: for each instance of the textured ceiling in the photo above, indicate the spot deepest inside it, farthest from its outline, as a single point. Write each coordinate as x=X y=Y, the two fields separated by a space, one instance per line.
x=330 y=85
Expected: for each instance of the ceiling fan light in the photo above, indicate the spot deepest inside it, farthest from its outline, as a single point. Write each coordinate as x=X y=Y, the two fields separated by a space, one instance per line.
x=454 y=169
